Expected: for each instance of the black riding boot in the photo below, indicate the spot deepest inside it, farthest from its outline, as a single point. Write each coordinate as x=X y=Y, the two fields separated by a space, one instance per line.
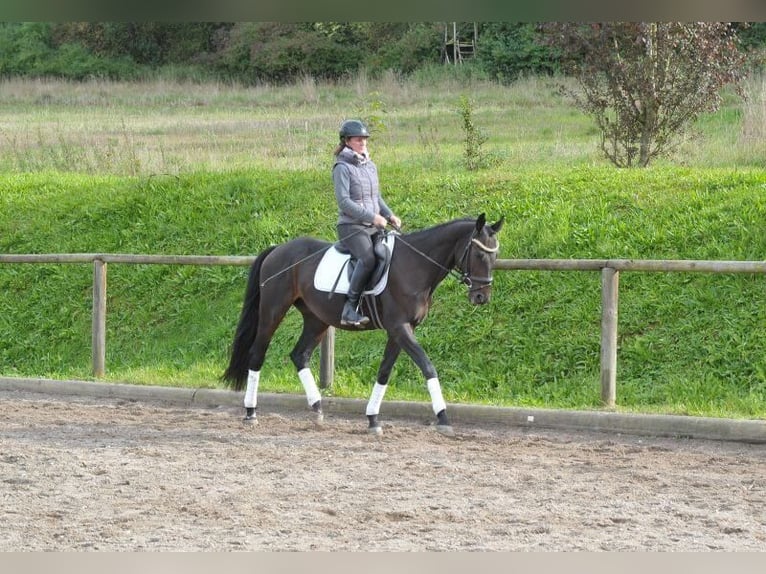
x=350 y=315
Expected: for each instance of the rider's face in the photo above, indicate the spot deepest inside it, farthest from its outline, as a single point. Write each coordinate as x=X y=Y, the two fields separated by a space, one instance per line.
x=358 y=144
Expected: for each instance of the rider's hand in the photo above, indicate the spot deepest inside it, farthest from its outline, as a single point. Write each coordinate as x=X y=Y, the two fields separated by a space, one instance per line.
x=395 y=221
x=379 y=221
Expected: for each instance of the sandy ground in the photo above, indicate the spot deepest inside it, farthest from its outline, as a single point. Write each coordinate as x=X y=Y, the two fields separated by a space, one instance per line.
x=101 y=475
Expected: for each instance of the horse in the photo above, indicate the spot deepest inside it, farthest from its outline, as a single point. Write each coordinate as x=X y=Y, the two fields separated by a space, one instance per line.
x=282 y=276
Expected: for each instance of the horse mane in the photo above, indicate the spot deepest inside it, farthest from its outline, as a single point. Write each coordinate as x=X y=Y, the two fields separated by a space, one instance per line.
x=415 y=235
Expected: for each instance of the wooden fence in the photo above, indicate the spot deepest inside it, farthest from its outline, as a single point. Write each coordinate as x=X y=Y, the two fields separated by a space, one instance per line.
x=609 y=268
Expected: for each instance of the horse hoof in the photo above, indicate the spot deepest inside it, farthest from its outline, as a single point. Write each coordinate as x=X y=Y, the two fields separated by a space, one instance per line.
x=375 y=431
x=445 y=430
x=316 y=413
x=250 y=421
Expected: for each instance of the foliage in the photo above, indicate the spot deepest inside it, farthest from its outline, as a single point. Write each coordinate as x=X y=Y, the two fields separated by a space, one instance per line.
x=408 y=49
x=645 y=83
x=473 y=154
x=752 y=35
x=257 y=52
x=280 y=52
x=22 y=46
x=29 y=49
x=145 y=43
x=509 y=50
x=373 y=113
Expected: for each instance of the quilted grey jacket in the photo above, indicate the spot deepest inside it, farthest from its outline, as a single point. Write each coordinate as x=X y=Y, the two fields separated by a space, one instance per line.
x=357 y=190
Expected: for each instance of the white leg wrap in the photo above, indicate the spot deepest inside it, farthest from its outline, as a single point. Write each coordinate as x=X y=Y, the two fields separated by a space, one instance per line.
x=376 y=398
x=251 y=394
x=309 y=385
x=435 y=390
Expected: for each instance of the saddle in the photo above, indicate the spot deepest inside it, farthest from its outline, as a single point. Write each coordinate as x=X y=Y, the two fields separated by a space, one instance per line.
x=334 y=270
x=382 y=260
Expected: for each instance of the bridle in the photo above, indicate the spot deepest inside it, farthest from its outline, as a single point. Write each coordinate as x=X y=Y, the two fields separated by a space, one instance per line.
x=463 y=274
x=459 y=271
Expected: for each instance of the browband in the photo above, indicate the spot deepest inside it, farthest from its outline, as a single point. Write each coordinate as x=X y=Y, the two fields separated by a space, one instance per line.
x=484 y=247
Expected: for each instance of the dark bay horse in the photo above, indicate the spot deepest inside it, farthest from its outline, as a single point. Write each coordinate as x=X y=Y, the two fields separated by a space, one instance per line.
x=283 y=276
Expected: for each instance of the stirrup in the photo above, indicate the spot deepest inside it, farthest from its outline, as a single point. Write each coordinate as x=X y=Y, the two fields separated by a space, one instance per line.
x=351 y=317
x=360 y=321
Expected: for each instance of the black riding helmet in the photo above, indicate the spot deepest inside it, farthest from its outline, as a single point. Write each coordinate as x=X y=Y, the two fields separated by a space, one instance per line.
x=351 y=128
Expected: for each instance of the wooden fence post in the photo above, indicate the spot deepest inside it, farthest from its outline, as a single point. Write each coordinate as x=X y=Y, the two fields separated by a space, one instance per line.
x=99 y=318
x=327 y=359
x=610 y=280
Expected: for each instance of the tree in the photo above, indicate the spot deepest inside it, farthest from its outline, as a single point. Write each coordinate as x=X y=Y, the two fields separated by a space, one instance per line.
x=645 y=83
x=508 y=50
x=147 y=43
x=283 y=51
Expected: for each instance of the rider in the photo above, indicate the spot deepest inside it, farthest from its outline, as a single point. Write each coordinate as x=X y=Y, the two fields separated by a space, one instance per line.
x=361 y=211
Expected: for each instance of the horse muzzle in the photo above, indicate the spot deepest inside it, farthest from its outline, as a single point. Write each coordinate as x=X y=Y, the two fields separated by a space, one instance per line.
x=480 y=296
x=479 y=289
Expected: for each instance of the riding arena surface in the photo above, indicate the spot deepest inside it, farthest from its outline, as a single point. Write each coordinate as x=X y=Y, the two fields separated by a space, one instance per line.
x=95 y=474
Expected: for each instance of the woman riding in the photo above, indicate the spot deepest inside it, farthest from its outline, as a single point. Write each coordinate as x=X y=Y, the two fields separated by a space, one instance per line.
x=362 y=212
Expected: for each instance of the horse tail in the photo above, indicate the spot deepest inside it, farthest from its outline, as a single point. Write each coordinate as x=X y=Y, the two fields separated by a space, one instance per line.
x=236 y=373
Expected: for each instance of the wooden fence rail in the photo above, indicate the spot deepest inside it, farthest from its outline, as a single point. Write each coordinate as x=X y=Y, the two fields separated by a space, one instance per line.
x=610 y=272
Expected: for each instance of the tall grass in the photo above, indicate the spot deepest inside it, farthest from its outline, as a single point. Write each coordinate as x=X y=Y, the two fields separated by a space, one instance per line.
x=753 y=135
x=170 y=127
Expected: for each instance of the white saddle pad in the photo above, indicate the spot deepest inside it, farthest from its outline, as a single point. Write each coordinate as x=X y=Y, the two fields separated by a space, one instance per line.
x=330 y=266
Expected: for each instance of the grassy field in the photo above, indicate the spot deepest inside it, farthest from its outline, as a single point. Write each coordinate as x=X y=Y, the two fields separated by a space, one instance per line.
x=171 y=128
x=215 y=169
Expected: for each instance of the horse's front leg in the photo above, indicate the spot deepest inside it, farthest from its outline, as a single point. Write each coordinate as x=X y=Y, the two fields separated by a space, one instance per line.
x=405 y=338
x=381 y=384
x=313 y=331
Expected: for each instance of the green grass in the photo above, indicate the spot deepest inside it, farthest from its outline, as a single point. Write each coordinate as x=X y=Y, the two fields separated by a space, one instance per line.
x=688 y=343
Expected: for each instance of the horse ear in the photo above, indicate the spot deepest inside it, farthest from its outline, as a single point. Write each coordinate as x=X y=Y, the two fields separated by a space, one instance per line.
x=480 y=222
x=497 y=226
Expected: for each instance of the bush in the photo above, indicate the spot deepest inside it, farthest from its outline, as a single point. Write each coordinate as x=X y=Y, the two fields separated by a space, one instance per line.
x=474 y=138
x=29 y=49
x=508 y=50
x=22 y=46
x=74 y=62
x=418 y=46
x=147 y=43
x=280 y=52
x=645 y=83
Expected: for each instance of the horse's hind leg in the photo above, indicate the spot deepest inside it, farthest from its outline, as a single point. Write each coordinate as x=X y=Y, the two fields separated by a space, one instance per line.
x=313 y=330
x=269 y=321
x=381 y=384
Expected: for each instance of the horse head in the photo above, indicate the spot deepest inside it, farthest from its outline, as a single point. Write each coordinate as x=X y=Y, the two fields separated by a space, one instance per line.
x=478 y=260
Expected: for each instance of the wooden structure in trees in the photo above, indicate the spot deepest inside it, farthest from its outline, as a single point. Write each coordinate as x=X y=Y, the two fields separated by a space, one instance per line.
x=460 y=41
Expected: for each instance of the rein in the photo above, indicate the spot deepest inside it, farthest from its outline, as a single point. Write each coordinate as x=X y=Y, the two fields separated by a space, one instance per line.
x=461 y=275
